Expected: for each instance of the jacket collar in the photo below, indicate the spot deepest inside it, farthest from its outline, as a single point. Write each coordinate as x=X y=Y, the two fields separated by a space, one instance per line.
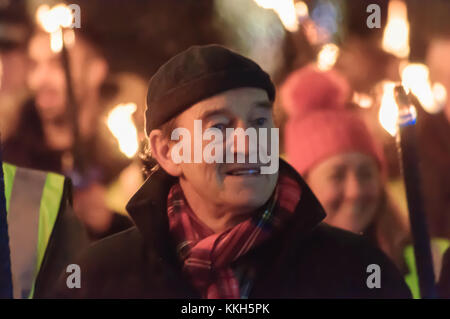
x=148 y=209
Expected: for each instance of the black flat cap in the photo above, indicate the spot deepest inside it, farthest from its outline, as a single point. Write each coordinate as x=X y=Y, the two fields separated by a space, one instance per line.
x=196 y=74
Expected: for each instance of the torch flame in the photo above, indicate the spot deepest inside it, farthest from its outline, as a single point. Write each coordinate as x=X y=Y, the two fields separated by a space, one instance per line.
x=56 y=41
x=416 y=78
x=327 y=56
x=388 y=113
x=52 y=21
x=440 y=95
x=301 y=10
x=121 y=125
x=363 y=100
x=396 y=33
x=286 y=11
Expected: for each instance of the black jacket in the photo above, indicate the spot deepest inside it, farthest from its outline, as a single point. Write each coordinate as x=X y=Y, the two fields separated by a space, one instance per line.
x=68 y=239
x=305 y=259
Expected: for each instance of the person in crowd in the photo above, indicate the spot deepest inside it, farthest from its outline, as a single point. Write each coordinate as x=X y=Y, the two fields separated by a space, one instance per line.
x=225 y=229
x=44 y=136
x=15 y=29
x=44 y=234
x=332 y=148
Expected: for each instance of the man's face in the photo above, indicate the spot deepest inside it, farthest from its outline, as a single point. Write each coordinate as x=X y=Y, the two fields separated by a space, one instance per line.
x=348 y=187
x=46 y=77
x=229 y=185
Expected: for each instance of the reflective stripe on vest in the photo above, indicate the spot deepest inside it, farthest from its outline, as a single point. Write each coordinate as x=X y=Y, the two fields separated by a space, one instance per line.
x=33 y=199
x=9 y=171
x=438 y=249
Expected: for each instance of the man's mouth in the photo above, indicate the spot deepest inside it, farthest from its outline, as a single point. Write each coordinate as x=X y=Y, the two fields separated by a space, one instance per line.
x=247 y=171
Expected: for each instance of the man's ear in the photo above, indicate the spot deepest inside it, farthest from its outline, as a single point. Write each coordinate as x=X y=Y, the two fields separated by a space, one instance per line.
x=161 y=151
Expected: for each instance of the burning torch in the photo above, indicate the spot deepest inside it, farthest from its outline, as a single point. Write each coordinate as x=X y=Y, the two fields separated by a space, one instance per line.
x=407 y=150
x=57 y=22
x=398 y=115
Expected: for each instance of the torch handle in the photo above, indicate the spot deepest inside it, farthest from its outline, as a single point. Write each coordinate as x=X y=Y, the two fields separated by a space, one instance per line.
x=6 y=290
x=72 y=111
x=407 y=147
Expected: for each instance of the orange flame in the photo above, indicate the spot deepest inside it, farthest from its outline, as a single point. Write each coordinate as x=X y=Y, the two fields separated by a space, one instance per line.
x=121 y=125
x=53 y=21
x=396 y=33
x=286 y=11
x=388 y=113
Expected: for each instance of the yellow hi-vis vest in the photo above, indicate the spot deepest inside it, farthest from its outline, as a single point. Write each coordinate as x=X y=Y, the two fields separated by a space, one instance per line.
x=438 y=249
x=33 y=200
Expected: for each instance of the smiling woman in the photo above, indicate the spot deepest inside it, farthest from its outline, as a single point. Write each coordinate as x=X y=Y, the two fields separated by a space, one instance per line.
x=335 y=152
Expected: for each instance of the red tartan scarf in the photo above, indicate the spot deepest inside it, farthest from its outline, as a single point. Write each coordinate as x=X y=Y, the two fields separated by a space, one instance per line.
x=207 y=255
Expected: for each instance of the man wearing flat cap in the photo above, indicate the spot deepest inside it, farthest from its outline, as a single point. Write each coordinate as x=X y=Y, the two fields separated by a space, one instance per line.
x=231 y=228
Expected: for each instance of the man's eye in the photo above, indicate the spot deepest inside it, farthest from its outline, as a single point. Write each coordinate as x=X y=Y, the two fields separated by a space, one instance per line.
x=260 y=121
x=219 y=126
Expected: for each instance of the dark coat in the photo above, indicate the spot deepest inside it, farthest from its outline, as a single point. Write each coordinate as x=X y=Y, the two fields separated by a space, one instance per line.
x=305 y=259
x=68 y=239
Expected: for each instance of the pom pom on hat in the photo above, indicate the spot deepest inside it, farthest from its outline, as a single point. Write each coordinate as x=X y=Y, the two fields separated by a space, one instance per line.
x=309 y=89
x=319 y=124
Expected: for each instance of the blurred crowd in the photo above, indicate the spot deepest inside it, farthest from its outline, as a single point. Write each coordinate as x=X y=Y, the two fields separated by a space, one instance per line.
x=57 y=105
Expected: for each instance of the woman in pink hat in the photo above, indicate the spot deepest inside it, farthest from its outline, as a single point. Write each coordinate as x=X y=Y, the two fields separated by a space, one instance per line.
x=334 y=151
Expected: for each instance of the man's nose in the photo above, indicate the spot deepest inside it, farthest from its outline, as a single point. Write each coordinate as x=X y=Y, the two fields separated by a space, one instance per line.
x=241 y=139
